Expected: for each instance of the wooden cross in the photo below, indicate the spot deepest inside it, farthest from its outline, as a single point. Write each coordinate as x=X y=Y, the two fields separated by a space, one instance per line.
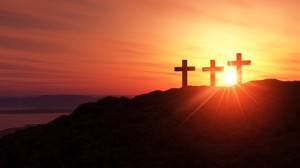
x=212 y=70
x=239 y=63
x=184 y=70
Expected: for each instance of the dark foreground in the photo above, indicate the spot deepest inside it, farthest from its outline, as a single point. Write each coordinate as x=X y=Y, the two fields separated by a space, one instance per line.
x=253 y=125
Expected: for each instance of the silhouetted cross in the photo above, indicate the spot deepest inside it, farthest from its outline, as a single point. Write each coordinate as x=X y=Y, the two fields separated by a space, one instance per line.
x=212 y=70
x=239 y=63
x=184 y=70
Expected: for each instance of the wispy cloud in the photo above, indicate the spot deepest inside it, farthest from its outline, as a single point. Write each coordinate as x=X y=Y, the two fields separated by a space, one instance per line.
x=32 y=45
x=23 y=20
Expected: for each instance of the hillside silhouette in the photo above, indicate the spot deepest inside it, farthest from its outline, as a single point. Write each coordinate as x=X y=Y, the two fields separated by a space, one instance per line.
x=50 y=102
x=251 y=125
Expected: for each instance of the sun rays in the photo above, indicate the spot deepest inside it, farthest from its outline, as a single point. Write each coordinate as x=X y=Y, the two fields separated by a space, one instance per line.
x=229 y=78
x=222 y=104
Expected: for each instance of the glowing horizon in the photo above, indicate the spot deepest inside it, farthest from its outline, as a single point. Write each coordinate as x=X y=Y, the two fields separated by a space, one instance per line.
x=129 y=47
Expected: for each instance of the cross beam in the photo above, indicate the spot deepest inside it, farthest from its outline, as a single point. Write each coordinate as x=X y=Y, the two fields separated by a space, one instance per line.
x=184 y=70
x=239 y=63
x=212 y=69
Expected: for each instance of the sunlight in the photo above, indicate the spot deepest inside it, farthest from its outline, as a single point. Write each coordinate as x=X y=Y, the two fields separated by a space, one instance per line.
x=229 y=78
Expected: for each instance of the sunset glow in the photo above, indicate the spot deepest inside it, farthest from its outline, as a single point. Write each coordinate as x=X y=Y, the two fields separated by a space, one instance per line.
x=229 y=78
x=128 y=47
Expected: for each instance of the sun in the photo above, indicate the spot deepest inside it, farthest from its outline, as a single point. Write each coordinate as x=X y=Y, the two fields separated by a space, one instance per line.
x=229 y=78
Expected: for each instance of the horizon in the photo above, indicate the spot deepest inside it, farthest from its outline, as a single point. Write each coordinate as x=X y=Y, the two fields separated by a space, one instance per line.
x=126 y=47
x=131 y=96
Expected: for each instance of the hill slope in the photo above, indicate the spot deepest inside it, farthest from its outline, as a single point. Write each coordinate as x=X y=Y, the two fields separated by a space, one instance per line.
x=252 y=125
x=43 y=102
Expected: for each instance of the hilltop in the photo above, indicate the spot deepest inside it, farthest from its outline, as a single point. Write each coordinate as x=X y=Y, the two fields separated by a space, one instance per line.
x=251 y=125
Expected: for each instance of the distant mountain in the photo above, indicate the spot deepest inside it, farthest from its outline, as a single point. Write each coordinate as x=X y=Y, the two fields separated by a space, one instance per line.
x=252 y=125
x=49 y=102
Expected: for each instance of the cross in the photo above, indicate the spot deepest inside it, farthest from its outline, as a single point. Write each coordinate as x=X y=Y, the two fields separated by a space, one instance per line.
x=212 y=70
x=239 y=63
x=184 y=70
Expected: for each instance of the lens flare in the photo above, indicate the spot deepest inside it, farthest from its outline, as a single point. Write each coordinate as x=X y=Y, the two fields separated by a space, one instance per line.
x=229 y=78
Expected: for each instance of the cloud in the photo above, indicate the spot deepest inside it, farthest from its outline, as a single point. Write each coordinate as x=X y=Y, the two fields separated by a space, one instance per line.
x=32 y=45
x=22 y=20
x=198 y=10
x=26 y=67
x=26 y=58
x=182 y=8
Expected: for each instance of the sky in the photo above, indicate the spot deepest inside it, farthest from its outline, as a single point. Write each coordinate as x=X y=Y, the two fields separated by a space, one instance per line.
x=129 y=47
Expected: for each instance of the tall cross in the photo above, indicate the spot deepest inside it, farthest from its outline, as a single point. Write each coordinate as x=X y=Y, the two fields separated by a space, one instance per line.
x=184 y=70
x=212 y=70
x=239 y=63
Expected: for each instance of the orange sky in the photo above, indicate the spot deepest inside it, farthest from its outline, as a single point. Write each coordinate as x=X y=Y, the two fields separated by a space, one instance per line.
x=128 y=47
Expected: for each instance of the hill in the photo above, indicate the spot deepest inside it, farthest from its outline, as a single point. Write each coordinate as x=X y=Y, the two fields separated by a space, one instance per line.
x=48 y=103
x=251 y=125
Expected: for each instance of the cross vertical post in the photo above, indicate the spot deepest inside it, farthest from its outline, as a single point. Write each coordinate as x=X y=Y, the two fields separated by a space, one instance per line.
x=212 y=69
x=184 y=70
x=239 y=63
